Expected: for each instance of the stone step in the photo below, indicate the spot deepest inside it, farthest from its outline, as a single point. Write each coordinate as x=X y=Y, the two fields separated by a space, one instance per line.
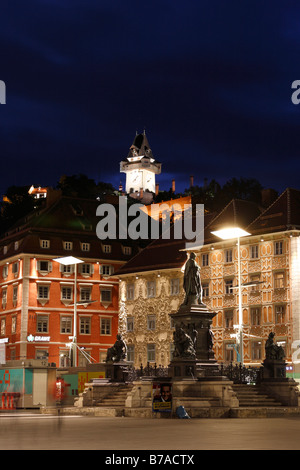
x=254 y=396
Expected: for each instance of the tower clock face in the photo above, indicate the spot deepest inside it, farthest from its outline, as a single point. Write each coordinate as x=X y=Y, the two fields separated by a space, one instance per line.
x=137 y=178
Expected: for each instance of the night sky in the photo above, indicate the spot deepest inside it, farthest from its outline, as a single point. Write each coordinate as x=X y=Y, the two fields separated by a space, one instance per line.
x=209 y=80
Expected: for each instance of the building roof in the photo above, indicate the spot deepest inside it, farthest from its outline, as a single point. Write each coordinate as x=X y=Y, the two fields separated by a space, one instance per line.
x=282 y=214
x=65 y=219
x=237 y=213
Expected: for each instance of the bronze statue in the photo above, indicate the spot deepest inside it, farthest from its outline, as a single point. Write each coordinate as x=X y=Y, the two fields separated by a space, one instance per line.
x=118 y=351
x=192 y=282
x=183 y=343
x=273 y=351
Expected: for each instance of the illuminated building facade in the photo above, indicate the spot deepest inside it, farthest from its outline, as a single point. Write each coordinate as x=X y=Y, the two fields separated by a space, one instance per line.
x=151 y=284
x=37 y=293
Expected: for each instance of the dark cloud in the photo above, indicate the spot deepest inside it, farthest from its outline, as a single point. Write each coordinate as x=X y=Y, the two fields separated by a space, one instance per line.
x=210 y=81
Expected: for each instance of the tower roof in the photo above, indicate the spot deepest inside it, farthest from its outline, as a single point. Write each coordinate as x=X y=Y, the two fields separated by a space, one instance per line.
x=140 y=147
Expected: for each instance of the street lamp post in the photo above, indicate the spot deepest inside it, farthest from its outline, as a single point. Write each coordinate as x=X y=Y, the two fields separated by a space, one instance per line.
x=71 y=261
x=227 y=234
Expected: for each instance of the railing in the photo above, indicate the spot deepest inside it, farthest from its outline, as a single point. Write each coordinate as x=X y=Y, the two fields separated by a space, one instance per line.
x=237 y=373
x=148 y=371
x=240 y=374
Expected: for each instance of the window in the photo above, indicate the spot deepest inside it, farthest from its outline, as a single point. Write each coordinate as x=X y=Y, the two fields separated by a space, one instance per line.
x=151 y=322
x=15 y=268
x=130 y=353
x=278 y=248
x=106 y=248
x=228 y=286
x=85 y=246
x=3 y=326
x=45 y=243
x=44 y=266
x=85 y=293
x=85 y=325
x=279 y=280
x=66 y=268
x=151 y=352
x=229 y=319
x=4 y=297
x=151 y=289
x=105 y=326
x=130 y=291
x=279 y=314
x=228 y=256
x=41 y=354
x=66 y=293
x=127 y=250
x=66 y=325
x=43 y=291
x=86 y=269
x=106 y=295
x=174 y=286
x=130 y=323
x=256 y=350
x=5 y=271
x=15 y=295
x=254 y=251
x=106 y=269
x=205 y=289
x=255 y=278
x=229 y=352
x=13 y=324
x=16 y=245
x=205 y=259
x=255 y=315
x=68 y=246
x=42 y=323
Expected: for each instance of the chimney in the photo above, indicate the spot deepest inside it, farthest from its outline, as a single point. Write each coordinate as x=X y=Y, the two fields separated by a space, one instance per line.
x=191 y=181
x=156 y=189
x=173 y=186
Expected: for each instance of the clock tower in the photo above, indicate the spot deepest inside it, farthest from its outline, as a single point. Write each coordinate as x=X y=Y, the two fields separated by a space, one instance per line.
x=140 y=167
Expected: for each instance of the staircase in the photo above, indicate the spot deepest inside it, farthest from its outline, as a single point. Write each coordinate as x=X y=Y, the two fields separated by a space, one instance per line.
x=114 y=403
x=253 y=396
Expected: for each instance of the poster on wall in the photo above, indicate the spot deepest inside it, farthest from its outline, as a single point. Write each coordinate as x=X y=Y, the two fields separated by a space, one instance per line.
x=162 y=396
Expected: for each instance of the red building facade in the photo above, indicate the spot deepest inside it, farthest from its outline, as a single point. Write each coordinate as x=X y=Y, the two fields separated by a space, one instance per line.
x=37 y=293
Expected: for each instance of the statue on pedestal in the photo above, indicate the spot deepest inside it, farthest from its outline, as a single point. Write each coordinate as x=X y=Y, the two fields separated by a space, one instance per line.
x=273 y=351
x=184 y=345
x=118 y=351
x=192 y=282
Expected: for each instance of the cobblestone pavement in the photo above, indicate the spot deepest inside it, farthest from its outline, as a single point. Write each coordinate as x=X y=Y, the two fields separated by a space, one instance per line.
x=33 y=431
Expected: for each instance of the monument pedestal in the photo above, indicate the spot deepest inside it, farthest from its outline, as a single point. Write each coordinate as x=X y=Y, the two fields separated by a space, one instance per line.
x=116 y=371
x=273 y=369
x=193 y=320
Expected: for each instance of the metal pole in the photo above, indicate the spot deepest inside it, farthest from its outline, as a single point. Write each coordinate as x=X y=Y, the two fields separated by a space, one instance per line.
x=75 y=318
x=240 y=303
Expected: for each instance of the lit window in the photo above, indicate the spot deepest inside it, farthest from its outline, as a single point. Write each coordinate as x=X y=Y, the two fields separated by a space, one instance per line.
x=279 y=280
x=228 y=286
